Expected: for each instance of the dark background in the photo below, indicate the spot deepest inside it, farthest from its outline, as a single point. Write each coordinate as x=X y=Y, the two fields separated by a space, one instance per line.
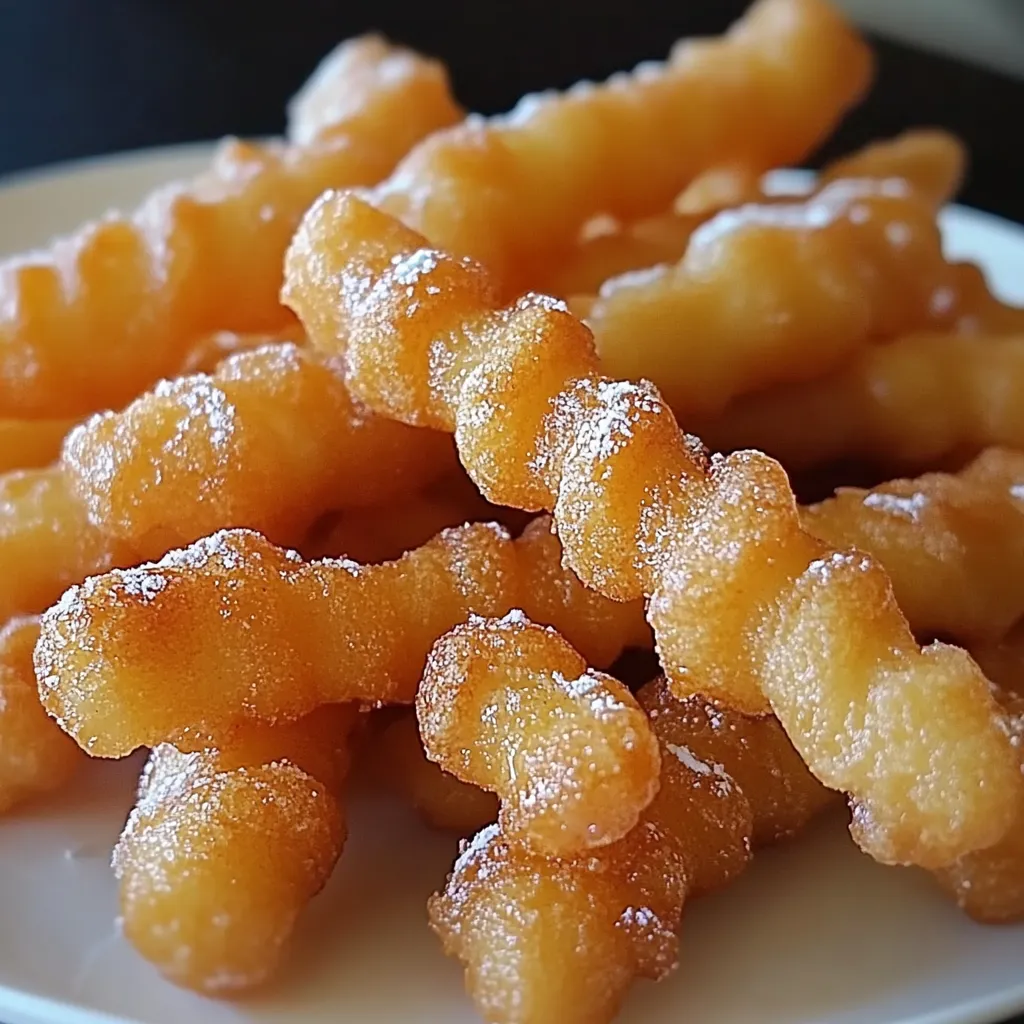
x=80 y=77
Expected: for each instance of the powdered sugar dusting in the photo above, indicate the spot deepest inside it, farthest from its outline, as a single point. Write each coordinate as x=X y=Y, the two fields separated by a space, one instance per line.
x=408 y=269
x=142 y=581
x=907 y=507
x=722 y=780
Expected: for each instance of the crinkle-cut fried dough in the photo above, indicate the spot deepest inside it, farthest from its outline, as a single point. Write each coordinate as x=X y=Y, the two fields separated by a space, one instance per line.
x=509 y=706
x=746 y=606
x=101 y=314
x=224 y=849
x=989 y=884
x=513 y=191
x=32 y=443
x=547 y=939
x=905 y=404
x=367 y=89
x=782 y=792
x=952 y=543
x=232 y=631
x=36 y=757
x=719 y=188
x=617 y=250
x=913 y=735
x=398 y=761
x=46 y=541
x=211 y=350
x=930 y=160
x=386 y=531
x=775 y=292
x=271 y=440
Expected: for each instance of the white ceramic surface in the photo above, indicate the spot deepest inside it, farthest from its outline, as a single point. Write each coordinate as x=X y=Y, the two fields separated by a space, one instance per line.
x=815 y=932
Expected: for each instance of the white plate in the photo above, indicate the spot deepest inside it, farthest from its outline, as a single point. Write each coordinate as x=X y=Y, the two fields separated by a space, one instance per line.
x=814 y=932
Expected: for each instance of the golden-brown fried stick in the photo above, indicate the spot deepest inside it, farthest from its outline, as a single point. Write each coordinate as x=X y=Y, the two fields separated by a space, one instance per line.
x=746 y=606
x=719 y=188
x=271 y=440
x=618 y=250
x=902 y=405
x=989 y=884
x=47 y=542
x=233 y=631
x=397 y=760
x=930 y=160
x=547 y=939
x=224 y=849
x=952 y=543
x=782 y=792
x=775 y=292
x=514 y=191
x=509 y=706
x=383 y=532
x=36 y=757
x=100 y=315
x=212 y=349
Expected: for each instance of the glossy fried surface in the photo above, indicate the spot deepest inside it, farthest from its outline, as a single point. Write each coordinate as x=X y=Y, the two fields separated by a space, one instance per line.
x=930 y=160
x=386 y=531
x=101 y=314
x=398 y=761
x=514 y=190
x=782 y=793
x=271 y=440
x=989 y=884
x=225 y=848
x=746 y=606
x=617 y=249
x=509 y=706
x=904 y=404
x=233 y=631
x=561 y=939
x=950 y=542
x=773 y=292
x=36 y=757
x=46 y=541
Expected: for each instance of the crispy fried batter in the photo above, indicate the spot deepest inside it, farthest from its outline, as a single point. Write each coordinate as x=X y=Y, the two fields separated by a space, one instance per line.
x=386 y=531
x=905 y=404
x=619 y=249
x=746 y=606
x=397 y=760
x=989 y=884
x=509 y=706
x=46 y=541
x=232 y=631
x=224 y=849
x=514 y=191
x=35 y=756
x=783 y=794
x=719 y=188
x=952 y=543
x=930 y=160
x=561 y=939
x=774 y=292
x=271 y=441
x=99 y=316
